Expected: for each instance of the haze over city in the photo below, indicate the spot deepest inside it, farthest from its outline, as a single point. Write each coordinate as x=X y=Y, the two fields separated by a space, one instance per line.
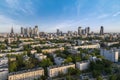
x=59 y=40
x=65 y=15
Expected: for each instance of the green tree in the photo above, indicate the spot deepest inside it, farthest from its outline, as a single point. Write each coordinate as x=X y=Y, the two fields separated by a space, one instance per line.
x=113 y=77
x=46 y=62
x=73 y=71
x=96 y=73
x=68 y=60
x=12 y=67
x=99 y=78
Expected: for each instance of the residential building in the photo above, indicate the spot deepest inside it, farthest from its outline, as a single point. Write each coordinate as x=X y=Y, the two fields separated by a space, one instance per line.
x=30 y=74
x=52 y=50
x=40 y=56
x=92 y=46
x=56 y=70
x=83 y=65
x=58 y=60
x=111 y=55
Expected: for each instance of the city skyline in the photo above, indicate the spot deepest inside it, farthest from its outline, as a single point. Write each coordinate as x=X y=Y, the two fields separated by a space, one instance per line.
x=64 y=15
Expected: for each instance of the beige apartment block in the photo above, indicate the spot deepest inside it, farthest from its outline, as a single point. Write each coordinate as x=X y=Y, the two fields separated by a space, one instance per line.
x=55 y=70
x=26 y=74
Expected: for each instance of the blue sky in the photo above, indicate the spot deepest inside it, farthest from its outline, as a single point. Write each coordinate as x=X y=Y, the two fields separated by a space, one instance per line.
x=65 y=15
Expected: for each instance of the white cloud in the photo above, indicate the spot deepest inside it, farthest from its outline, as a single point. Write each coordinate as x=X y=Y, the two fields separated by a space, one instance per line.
x=66 y=25
x=19 y=5
x=6 y=24
x=116 y=14
x=103 y=16
x=79 y=4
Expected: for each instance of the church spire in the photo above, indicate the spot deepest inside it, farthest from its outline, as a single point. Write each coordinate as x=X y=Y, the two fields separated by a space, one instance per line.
x=12 y=31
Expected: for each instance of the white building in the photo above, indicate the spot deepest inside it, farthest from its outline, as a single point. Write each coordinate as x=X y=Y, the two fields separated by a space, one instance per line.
x=59 y=60
x=3 y=61
x=55 y=70
x=73 y=51
x=92 y=46
x=3 y=73
x=80 y=42
x=40 y=56
x=111 y=55
x=33 y=51
x=111 y=43
x=82 y=65
x=26 y=74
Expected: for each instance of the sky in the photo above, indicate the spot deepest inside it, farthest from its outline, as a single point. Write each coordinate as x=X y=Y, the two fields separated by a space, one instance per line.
x=65 y=15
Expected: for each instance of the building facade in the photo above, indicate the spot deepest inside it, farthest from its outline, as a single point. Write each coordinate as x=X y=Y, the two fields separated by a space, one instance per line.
x=83 y=65
x=56 y=70
x=27 y=74
x=111 y=55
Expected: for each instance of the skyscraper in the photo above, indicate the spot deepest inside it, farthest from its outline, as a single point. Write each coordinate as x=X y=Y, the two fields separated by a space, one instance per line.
x=79 y=31
x=83 y=31
x=12 y=31
x=58 y=31
x=101 y=30
x=30 y=31
x=27 y=31
x=22 y=30
x=88 y=30
x=36 y=31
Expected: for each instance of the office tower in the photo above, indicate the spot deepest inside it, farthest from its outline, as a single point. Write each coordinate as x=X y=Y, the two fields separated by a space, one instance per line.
x=22 y=30
x=69 y=33
x=88 y=30
x=27 y=31
x=101 y=30
x=79 y=30
x=30 y=31
x=58 y=31
x=12 y=31
x=61 y=33
x=83 y=31
x=36 y=31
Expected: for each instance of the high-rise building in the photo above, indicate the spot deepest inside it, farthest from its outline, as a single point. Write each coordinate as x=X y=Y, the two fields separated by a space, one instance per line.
x=36 y=31
x=22 y=30
x=27 y=30
x=12 y=31
x=83 y=31
x=30 y=31
x=88 y=30
x=101 y=30
x=79 y=31
x=58 y=31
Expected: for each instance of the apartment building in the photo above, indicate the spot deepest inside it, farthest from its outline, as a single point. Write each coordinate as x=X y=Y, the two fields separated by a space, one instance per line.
x=52 y=50
x=111 y=55
x=26 y=74
x=92 y=46
x=55 y=70
x=83 y=65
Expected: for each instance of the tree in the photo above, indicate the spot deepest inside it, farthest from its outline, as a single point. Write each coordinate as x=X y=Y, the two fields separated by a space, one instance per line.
x=76 y=58
x=96 y=73
x=73 y=71
x=113 y=77
x=46 y=63
x=12 y=67
x=68 y=60
x=99 y=78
